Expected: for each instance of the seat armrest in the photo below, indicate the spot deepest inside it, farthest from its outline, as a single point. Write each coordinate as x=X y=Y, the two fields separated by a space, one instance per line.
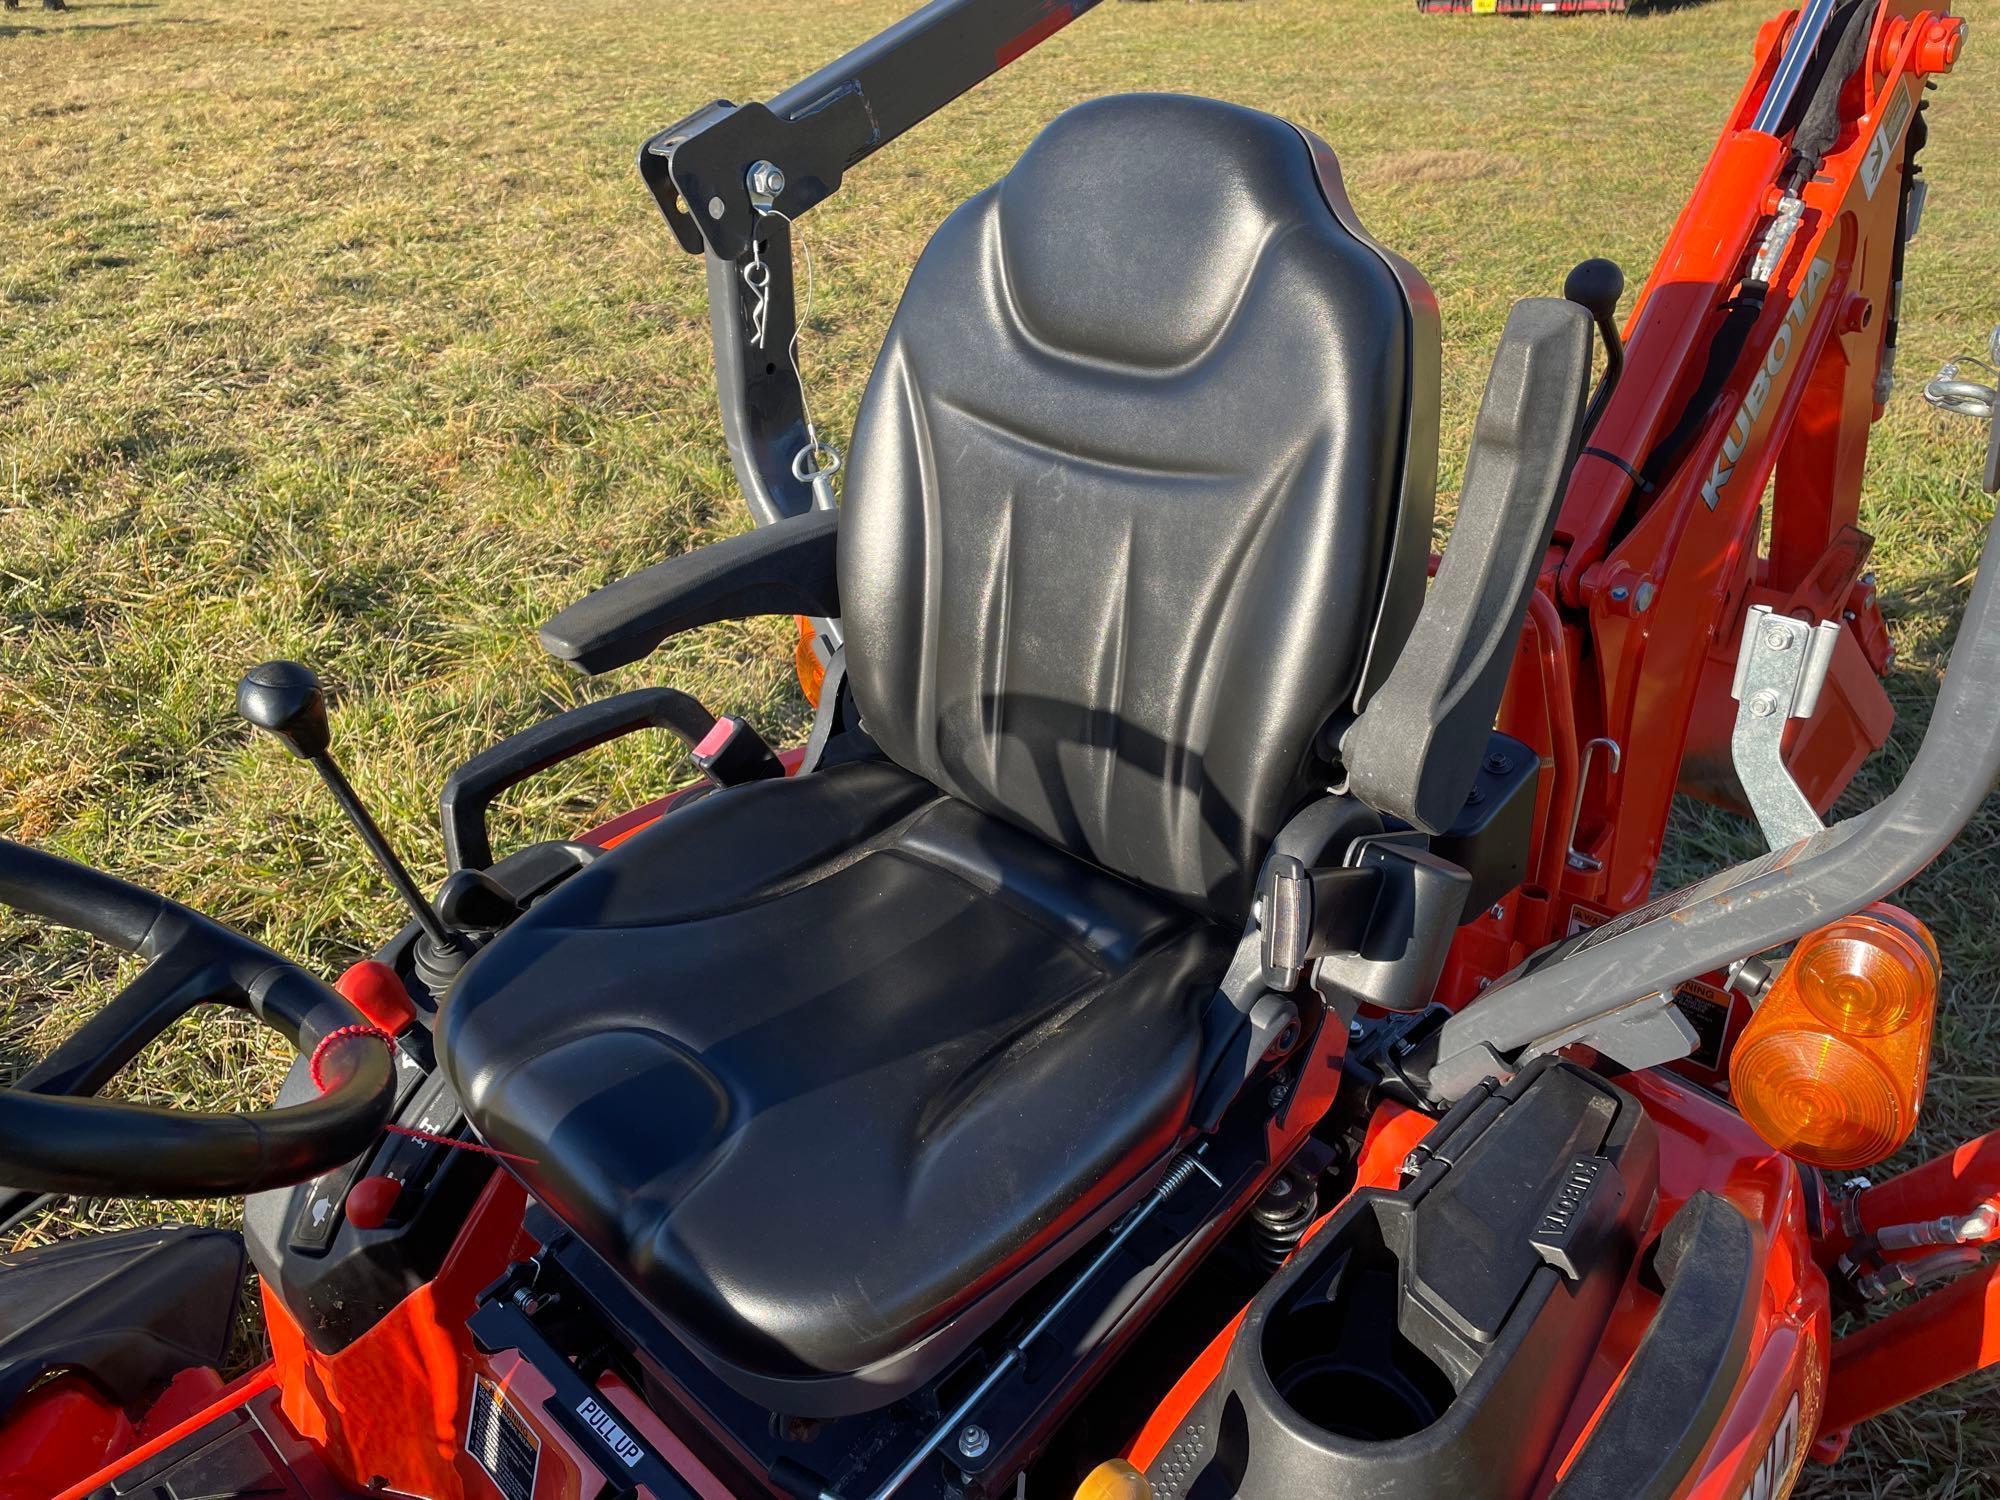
x=786 y=568
x=470 y=790
x=1420 y=740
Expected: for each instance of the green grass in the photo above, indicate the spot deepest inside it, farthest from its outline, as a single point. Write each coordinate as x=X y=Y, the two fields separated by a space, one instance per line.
x=345 y=331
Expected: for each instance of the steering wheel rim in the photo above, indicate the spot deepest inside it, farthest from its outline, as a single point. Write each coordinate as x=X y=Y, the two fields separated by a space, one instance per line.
x=56 y=1138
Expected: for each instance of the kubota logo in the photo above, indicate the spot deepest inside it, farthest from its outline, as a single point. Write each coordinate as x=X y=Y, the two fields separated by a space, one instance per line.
x=1788 y=334
x=1776 y=1465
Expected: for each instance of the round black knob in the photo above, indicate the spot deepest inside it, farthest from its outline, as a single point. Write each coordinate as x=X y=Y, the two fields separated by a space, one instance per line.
x=1596 y=285
x=284 y=698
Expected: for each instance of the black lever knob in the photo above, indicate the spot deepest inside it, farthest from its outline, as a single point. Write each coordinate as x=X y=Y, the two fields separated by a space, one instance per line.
x=284 y=698
x=1596 y=285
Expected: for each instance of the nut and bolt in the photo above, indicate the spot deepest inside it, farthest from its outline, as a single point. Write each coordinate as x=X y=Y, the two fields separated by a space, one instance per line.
x=1620 y=594
x=973 y=1441
x=1777 y=638
x=531 y=1301
x=1355 y=1030
x=1763 y=705
x=1644 y=599
x=766 y=179
x=1499 y=763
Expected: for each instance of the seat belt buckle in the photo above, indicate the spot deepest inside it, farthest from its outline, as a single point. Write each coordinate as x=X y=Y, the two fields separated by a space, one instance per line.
x=732 y=753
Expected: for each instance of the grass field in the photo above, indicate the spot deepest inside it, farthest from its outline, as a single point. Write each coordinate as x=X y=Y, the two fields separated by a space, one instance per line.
x=346 y=332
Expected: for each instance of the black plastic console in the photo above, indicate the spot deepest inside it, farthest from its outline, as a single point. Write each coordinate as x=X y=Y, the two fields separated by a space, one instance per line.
x=1430 y=1341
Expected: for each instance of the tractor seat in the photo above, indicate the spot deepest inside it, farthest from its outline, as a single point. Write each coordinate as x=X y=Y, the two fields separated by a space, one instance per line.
x=815 y=1062
x=833 y=1068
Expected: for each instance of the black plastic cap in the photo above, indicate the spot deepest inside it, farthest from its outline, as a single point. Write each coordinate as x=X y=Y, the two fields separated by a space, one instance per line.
x=1596 y=285
x=284 y=698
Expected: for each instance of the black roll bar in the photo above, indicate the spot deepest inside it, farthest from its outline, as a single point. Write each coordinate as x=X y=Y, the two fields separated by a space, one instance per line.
x=698 y=171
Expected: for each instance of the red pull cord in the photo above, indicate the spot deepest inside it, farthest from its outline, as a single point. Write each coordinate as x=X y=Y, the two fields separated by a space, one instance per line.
x=341 y=1033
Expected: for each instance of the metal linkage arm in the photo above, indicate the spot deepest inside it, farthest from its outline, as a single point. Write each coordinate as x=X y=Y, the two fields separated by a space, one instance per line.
x=801 y=145
x=843 y=114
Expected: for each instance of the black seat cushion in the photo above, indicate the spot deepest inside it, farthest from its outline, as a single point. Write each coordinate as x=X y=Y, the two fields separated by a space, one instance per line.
x=1117 y=528
x=817 y=1063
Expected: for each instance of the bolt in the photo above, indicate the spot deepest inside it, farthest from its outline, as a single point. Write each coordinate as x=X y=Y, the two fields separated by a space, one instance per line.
x=1499 y=763
x=1355 y=1030
x=766 y=179
x=1620 y=594
x=1474 y=797
x=1644 y=600
x=973 y=1441
x=715 y=208
x=1277 y=1095
x=1497 y=910
x=1764 y=705
x=1777 y=638
x=1847 y=615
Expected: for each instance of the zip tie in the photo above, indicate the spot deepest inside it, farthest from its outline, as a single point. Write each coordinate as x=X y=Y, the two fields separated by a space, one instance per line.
x=457 y=1145
x=342 y=1033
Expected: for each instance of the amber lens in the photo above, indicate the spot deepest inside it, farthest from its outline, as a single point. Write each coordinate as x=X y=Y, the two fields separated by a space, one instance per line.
x=1863 y=979
x=1819 y=1097
x=806 y=662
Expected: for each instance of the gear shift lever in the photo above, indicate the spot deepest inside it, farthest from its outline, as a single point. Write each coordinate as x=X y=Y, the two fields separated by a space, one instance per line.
x=1596 y=286
x=284 y=698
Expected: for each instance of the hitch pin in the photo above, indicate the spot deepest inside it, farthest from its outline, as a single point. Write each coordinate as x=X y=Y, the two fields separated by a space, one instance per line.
x=764 y=181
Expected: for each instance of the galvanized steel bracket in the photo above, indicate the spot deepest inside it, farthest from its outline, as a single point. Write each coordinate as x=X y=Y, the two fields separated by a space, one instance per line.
x=1780 y=669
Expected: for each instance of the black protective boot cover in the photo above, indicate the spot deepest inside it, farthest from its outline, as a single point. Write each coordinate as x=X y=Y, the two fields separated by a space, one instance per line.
x=129 y=1310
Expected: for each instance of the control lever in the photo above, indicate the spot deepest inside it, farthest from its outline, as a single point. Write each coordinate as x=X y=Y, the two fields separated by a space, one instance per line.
x=284 y=698
x=1595 y=285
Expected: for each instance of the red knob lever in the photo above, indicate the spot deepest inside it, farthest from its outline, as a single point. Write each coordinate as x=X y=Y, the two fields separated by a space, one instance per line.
x=371 y=1200
x=377 y=992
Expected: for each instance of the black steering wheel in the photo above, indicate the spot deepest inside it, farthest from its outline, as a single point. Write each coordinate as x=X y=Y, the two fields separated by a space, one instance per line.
x=55 y=1139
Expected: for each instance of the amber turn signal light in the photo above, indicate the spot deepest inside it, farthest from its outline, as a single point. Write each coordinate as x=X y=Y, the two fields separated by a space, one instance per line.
x=1831 y=1069
x=1114 y=1479
x=806 y=662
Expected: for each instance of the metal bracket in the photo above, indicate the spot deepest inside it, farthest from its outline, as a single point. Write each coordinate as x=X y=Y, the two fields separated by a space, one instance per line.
x=1780 y=669
x=1643 y=1034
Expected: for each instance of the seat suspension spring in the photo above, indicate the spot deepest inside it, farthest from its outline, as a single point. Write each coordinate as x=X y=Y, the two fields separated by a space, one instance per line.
x=1281 y=1216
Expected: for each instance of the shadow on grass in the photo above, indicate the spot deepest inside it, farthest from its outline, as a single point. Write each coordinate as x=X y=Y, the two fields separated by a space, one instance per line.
x=14 y=29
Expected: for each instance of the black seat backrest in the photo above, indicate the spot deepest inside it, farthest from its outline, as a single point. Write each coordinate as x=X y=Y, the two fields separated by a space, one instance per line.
x=1145 y=466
